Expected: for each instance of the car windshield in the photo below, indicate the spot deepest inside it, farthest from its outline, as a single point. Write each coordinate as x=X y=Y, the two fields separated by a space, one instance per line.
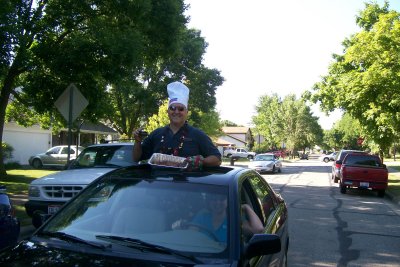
x=264 y=157
x=175 y=215
x=104 y=156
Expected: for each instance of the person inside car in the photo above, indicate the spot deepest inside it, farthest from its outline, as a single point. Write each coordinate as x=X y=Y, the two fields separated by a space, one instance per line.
x=178 y=138
x=215 y=219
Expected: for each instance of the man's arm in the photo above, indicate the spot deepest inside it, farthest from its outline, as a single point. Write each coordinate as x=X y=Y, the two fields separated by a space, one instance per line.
x=252 y=224
x=137 y=148
x=212 y=161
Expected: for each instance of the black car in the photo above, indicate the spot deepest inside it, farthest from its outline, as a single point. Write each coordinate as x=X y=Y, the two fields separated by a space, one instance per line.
x=147 y=215
x=9 y=223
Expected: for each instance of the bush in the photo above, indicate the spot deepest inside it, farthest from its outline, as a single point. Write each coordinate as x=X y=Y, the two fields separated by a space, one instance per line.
x=12 y=166
x=7 y=151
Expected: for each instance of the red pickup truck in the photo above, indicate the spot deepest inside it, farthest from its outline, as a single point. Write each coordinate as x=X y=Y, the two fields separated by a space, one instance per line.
x=363 y=171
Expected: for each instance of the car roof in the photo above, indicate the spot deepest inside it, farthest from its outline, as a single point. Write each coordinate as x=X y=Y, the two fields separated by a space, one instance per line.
x=352 y=150
x=113 y=144
x=222 y=175
x=344 y=152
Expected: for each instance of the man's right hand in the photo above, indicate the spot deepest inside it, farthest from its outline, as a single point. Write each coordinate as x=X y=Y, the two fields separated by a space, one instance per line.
x=139 y=135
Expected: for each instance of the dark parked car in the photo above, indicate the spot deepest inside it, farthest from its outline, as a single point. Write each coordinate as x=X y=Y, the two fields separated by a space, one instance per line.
x=338 y=163
x=56 y=156
x=9 y=224
x=147 y=215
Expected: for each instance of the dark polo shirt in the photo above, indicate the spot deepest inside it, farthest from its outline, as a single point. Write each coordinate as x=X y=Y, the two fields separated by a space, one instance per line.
x=195 y=142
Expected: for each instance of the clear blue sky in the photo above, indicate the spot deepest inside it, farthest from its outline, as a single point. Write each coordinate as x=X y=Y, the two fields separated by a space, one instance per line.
x=272 y=46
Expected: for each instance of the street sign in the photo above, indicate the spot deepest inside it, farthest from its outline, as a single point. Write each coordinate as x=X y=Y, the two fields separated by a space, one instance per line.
x=77 y=104
x=70 y=104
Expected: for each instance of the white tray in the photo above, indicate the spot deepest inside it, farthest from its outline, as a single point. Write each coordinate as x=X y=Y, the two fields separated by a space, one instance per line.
x=164 y=160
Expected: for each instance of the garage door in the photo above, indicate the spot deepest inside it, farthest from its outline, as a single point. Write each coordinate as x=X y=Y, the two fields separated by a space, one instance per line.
x=26 y=144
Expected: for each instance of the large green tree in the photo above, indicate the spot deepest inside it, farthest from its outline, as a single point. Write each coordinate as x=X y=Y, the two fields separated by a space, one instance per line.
x=137 y=97
x=345 y=133
x=47 y=44
x=365 y=80
x=287 y=121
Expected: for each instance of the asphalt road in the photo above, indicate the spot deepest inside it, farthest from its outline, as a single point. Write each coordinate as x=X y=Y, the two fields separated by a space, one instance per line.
x=328 y=228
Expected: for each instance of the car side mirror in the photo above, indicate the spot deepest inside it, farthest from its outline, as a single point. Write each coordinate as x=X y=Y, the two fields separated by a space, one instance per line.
x=384 y=165
x=262 y=244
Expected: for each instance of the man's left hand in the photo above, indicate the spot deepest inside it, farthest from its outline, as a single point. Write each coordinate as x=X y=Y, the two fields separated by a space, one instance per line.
x=195 y=162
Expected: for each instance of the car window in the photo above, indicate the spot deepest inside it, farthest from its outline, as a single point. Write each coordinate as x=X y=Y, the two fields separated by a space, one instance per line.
x=65 y=150
x=265 y=157
x=362 y=160
x=264 y=196
x=118 y=155
x=53 y=150
x=249 y=196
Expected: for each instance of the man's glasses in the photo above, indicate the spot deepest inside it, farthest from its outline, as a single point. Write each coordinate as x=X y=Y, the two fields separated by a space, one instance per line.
x=173 y=108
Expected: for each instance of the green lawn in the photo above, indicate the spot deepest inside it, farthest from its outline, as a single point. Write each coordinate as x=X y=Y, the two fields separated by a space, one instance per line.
x=17 y=183
x=394 y=182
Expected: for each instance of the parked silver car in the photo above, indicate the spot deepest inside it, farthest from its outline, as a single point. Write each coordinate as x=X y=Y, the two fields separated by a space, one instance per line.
x=54 y=157
x=266 y=162
x=328 y=157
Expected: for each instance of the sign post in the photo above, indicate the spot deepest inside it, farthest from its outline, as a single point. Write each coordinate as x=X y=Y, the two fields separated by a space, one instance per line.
x=70 y=104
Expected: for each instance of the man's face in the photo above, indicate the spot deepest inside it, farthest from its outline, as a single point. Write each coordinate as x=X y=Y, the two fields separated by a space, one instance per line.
x=177 y=113
x=218 y=203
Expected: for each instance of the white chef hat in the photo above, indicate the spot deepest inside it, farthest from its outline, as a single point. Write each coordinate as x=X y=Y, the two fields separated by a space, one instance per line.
x=178 y=93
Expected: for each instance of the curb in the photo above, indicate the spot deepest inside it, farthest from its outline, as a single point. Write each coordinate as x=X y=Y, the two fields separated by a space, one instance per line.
x=394 y=199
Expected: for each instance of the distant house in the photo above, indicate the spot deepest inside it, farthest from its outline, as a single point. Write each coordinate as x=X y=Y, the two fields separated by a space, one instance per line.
x=28 y=141
x=238 y=137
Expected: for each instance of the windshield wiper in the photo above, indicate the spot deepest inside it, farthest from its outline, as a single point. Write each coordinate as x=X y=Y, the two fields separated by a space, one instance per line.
x=68 y=237
x=140 y=244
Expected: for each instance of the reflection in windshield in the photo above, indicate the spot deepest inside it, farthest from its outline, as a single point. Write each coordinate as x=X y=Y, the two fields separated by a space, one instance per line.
x=101 y=156
x=264 y=158
x=154 y=212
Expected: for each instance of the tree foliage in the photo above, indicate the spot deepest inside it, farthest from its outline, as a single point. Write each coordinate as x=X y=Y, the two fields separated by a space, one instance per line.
x=287 y=121
x=344 y=134
x=364 y=81
x=139 y=96
x=120 y=54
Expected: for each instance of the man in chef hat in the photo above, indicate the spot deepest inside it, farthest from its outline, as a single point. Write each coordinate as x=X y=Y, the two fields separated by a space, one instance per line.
x=178 y=138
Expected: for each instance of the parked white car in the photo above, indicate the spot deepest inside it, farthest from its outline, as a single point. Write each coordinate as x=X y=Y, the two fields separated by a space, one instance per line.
x=327 y=158
x=266 y=162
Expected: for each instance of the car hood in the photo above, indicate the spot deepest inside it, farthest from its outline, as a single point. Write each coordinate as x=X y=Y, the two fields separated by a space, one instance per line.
x=27 y=253
x=73 y=176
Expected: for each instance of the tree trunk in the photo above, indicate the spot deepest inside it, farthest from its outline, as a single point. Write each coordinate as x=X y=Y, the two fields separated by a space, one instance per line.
x=4 y=97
